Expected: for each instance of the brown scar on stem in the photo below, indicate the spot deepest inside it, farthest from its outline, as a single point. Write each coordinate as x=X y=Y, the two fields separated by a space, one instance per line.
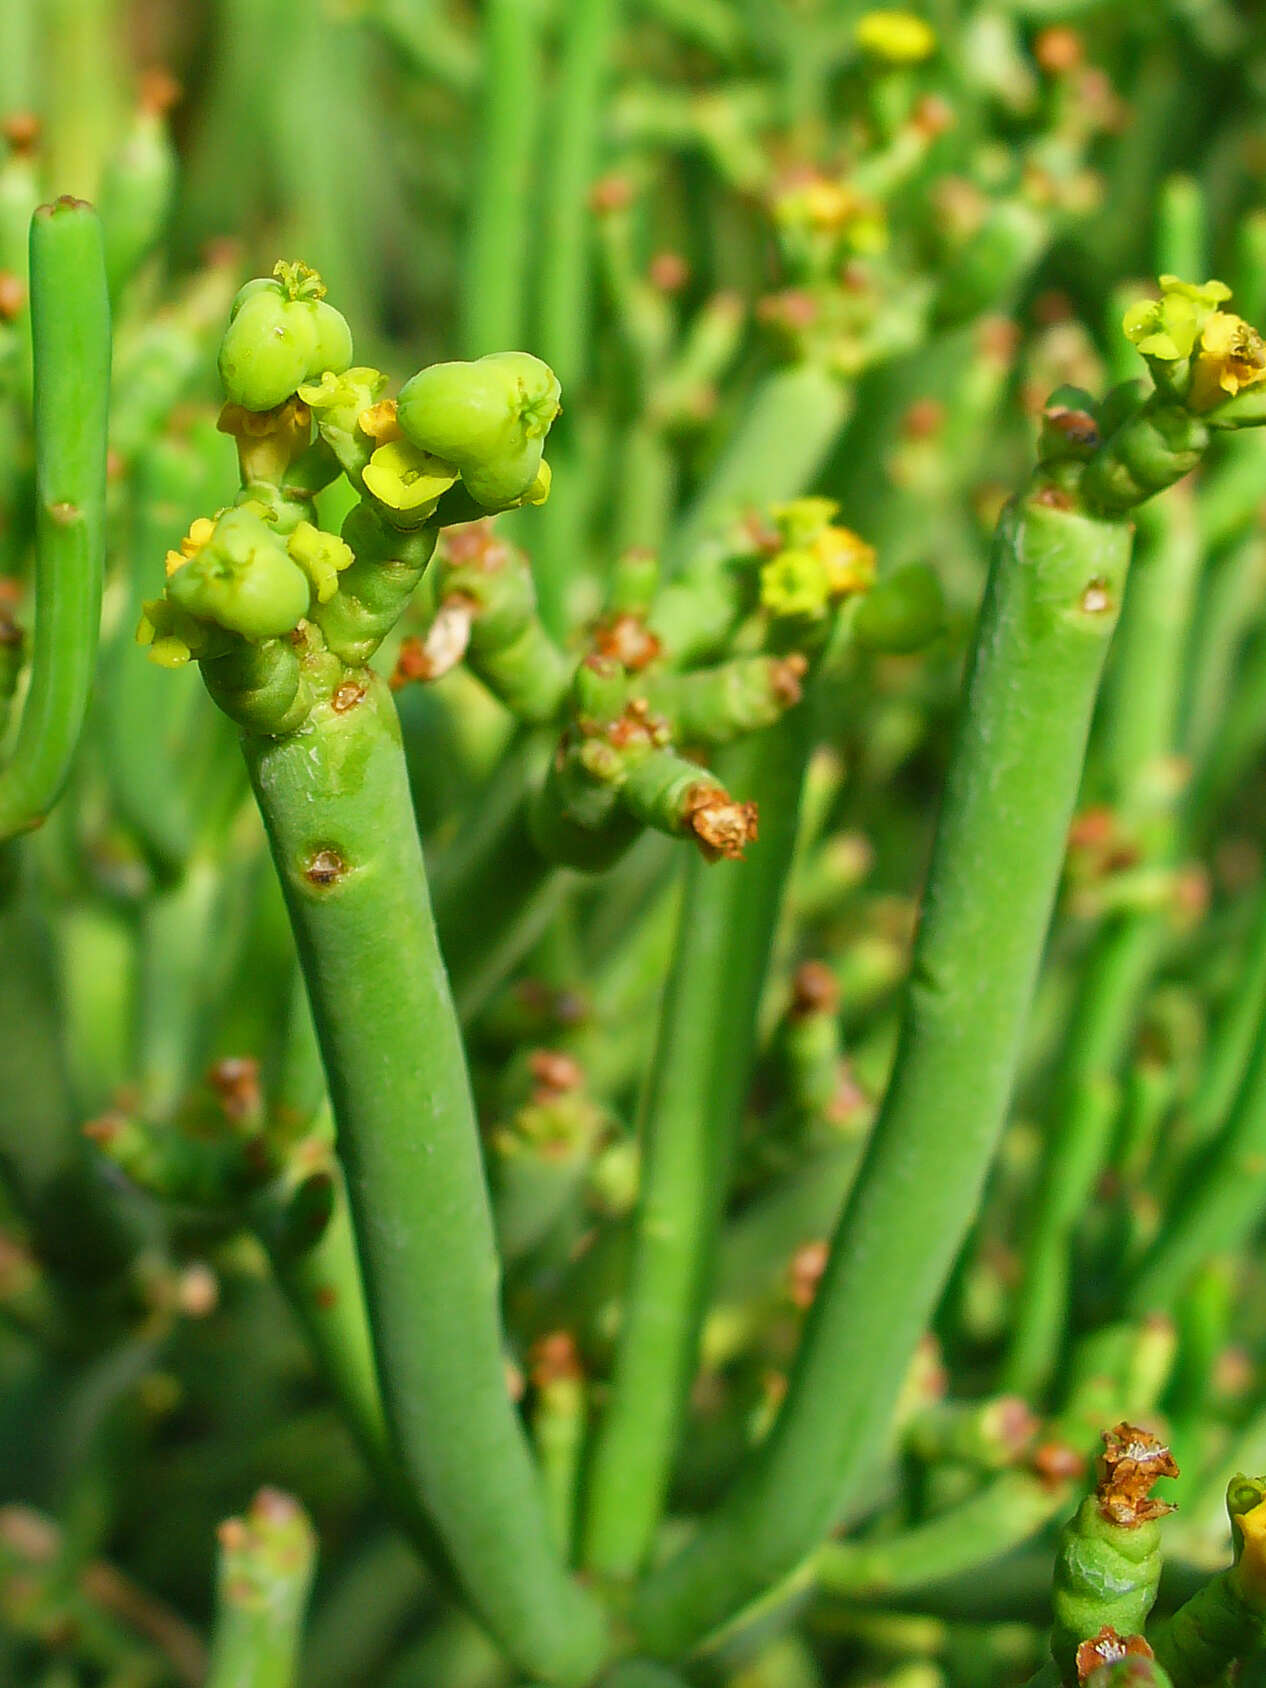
x=1132 y=1460
x=1095 y=599
x=64 y=512
x=235 y=1080
x=1055 y=1463
x=554 y=1072
x=347 y=696
x=785 y=678
x=1078 y=427
x=12 y=295
x=22 y=131
x=808 y=1264
x=555 y=1358
x=324 y=867
x=814 y=990
x=1108 y=1648
x=721 y=827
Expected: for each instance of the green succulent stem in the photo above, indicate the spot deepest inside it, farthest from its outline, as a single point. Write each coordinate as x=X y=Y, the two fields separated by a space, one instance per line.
x=498 y=242
x=1219 y=1200
x=336 y=803
x=1050 y=606
x=266 y=1564
x=1001 y=1516
x=688 y=1124
x=70 y=324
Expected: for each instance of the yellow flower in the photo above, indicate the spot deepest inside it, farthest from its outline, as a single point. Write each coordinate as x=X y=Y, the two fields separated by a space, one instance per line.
x=803 y=519
x=321 y=556
x=1232 y=356
x=171 y=635
x=1168 y=327
x=1251 y=1567
x=796 y=585
x=199 y=533
x=898 y=37
x=850 y=562
x=350 y=393
x=404 y=478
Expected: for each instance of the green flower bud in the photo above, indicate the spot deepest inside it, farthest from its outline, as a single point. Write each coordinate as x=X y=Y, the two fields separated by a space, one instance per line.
x=902 y=613
x=281 y=334
x=243 y=579
x=267 y=352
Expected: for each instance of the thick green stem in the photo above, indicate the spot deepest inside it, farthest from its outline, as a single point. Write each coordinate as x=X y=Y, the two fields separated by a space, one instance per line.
x=1137 y=731
x=1050 y=606
x=689 y=1123
x=336 y=802
x=70 y=323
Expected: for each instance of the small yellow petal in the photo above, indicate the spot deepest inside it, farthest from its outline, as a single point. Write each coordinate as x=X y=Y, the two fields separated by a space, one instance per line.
x=898 y=37
x=404 y=478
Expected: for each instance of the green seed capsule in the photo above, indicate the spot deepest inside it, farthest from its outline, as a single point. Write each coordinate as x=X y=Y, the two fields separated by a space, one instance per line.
x=490 y=418
x=243 y=580
x=333 y=340
x=267 y=351
x=504 y=481
x=276 y=343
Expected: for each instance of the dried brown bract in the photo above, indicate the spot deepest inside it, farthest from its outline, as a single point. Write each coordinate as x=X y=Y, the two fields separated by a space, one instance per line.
x=1131 y=1461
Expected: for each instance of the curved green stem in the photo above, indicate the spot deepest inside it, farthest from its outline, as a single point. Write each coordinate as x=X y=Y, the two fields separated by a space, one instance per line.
x=1049 y=610
x=336 y=803
x=1220 y=1198
x=70 y=324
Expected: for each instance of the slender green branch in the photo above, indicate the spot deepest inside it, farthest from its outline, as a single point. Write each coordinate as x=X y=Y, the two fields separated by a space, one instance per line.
x=266 y=1565
x=70 y=318
x=689 y=1120
x=587 y=28
x=999 y=1517
x=493 y=296
x=1055 y=584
